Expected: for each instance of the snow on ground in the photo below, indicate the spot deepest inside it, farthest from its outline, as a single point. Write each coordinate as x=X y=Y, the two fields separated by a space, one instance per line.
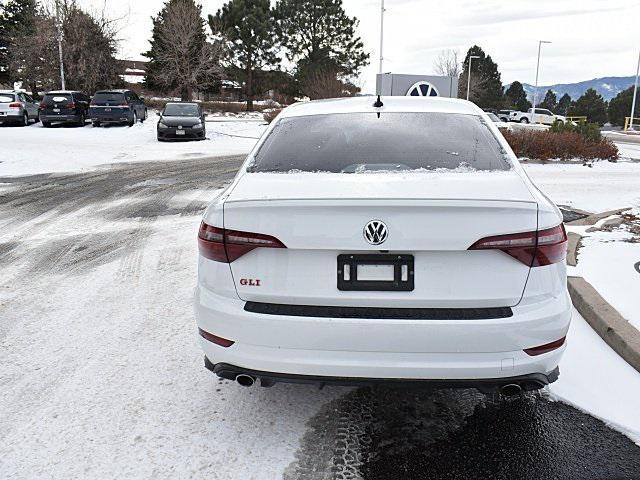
x=606 y=186
x=607 y=260
x=629 y=150
x=102 y=376
x=598 y=381
x=36 y=149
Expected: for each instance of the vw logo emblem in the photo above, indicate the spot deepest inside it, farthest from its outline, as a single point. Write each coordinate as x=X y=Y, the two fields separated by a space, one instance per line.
x=375 y=232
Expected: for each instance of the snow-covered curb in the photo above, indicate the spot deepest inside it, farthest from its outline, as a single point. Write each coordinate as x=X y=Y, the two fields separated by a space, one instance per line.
x=616 y=331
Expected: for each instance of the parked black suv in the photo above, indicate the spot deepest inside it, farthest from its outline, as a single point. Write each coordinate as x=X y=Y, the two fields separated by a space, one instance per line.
x=65 y=107
x=117 y=106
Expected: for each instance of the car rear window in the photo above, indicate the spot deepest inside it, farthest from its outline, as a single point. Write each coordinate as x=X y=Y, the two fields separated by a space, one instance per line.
x=6 y=97
x=108 y=97
x=181 y=110
x=50 y=98
x=365 y=142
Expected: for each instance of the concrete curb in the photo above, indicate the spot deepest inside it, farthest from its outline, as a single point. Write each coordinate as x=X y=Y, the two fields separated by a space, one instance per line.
x=619 y=334
x=596 y=217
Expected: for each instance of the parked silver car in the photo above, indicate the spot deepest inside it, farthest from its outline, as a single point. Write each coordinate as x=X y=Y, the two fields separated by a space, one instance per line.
x=17 y=108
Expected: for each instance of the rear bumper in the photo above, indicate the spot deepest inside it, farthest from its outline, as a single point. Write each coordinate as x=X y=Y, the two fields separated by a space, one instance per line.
x=533 y=381
x=59 y=118
x=384 y=348
x=12 y=117
x=110 y=117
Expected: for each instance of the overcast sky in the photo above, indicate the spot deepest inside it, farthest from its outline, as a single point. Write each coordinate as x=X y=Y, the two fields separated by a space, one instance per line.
x=591 y=38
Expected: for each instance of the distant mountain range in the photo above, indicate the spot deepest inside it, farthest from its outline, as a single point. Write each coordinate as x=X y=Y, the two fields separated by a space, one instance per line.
x=608 y=87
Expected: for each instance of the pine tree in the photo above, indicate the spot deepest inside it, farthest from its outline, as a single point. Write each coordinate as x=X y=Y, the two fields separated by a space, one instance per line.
x=550 y=101
x=17 y=18
x=564 y=104
x=319 y=37
x=180 y=58
x=248 y=29
x=620 y=107
x=486 y=85
x=592 y=105
x=516 y=97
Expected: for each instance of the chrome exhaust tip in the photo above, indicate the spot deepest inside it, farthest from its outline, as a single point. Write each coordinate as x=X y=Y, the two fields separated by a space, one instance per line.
x=511 y=390
x=245 y=380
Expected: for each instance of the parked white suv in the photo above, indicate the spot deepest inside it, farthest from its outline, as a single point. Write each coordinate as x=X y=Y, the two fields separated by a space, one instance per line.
x=402 y=243
x=543 y=115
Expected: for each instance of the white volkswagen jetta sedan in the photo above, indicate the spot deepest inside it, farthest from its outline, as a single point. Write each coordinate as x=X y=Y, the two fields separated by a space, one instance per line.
x=362 y=244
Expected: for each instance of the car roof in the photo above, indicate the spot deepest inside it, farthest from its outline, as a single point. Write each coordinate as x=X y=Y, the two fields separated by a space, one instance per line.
x=122 y=90
x=54 y=92
x=390 y=104
x=182 y=103
x=14 y=92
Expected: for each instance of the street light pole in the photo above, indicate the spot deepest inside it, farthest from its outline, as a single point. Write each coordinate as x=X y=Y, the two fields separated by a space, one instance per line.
x=635 y=95
x=535 y=90
x=381 y=32
x=471 y=57
x=59 y=25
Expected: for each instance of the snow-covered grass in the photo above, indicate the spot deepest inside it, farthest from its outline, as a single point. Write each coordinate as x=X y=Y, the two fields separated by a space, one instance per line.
x=605 y=186
x=607 y=260
x=35 y=149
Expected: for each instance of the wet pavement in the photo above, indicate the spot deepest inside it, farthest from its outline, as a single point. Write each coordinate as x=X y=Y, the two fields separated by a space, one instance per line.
x=388 y=434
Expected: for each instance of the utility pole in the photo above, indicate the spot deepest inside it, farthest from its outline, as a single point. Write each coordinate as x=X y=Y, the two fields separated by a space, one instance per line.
x=535 y=90
x=471 y=57
x=59 y=26
x=635 y=95
x=381 y=33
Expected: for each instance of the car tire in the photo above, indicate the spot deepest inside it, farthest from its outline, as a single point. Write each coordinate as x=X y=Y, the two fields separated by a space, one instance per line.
x=25 y=120
x=524 y=120
x=46 y=124
x=37 y=120
x=144 y=117
x=134 y=120
x=95 y=124
x=81 y=120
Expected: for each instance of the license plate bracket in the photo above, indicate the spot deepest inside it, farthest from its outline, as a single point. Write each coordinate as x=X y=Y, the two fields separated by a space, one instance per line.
x=403 y=272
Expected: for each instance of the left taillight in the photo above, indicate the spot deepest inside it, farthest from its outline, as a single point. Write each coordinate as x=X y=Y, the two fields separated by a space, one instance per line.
x=534 y=249
x=222 y=245
x=15 y=105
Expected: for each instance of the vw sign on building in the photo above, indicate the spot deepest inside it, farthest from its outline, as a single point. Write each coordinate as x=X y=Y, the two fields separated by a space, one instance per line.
x=396 y=84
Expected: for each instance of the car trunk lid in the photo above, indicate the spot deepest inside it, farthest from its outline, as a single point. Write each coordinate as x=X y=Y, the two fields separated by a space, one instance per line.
x=435 y=217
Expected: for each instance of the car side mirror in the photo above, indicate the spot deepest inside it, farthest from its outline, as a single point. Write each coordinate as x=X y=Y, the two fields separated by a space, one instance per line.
x=205 y=114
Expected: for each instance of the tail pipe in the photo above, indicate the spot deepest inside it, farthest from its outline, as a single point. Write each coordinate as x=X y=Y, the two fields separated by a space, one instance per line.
x=245 y=380
x=511 y=390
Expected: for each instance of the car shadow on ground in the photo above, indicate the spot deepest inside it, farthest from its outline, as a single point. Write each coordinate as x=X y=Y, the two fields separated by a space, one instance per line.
x=395 y=433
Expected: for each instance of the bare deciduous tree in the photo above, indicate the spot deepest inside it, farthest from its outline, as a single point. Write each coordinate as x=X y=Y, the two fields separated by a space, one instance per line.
x=181 y=58
x=448 y=63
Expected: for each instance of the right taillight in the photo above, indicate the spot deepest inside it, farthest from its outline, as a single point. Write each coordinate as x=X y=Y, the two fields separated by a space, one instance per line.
x=222 y=245
x=534 y=249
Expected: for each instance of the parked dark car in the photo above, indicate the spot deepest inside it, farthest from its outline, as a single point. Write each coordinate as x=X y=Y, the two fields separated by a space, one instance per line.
x=64 y=107
x=117 y=106
x=17 y=108
x=182 y=121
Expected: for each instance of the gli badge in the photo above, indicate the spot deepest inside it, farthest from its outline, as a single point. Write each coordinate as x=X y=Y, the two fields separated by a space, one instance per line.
x=250 y=282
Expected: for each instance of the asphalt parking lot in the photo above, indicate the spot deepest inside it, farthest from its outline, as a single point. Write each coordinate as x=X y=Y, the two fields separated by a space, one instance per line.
x=102 y=377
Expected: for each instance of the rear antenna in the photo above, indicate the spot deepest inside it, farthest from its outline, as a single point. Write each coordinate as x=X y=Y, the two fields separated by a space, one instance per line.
x=378 y=103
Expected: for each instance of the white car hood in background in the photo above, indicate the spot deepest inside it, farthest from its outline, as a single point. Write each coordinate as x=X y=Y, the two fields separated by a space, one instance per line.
x=476 y=185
